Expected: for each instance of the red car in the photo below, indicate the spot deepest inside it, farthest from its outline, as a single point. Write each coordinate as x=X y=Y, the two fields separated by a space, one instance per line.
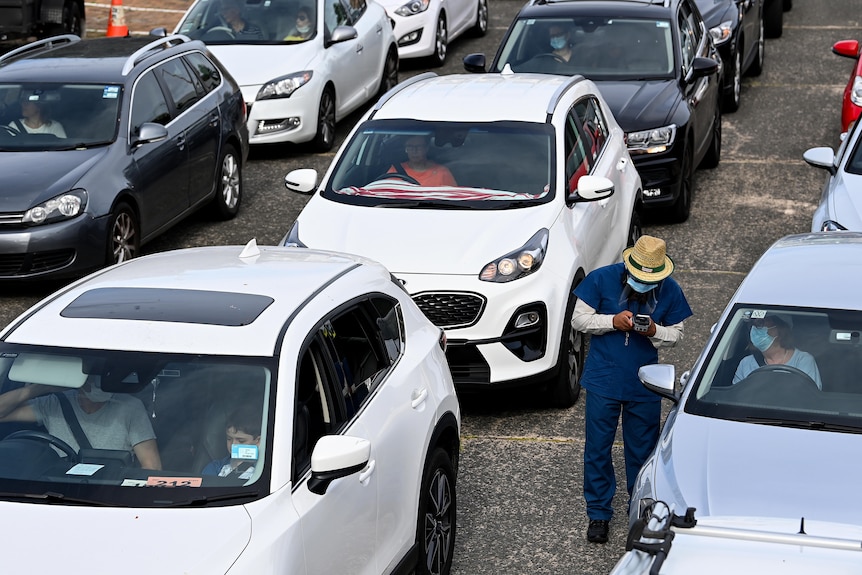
x=852 y=103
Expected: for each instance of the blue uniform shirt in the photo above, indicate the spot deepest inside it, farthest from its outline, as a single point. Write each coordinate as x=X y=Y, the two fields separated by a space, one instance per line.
x=611 y=369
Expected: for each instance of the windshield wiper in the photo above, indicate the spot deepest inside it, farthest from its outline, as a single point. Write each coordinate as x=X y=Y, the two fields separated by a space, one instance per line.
x=52 y=497
x=202 y=501
x=800 y=424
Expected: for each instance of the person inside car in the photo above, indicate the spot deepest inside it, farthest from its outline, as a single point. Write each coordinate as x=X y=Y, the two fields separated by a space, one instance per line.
x=304 y=28
x=231 y=14
x=421 y=169
x=771 y=342
x=35 y=119
x=242 y=433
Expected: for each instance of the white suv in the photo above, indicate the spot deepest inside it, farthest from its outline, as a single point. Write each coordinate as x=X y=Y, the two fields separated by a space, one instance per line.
x=534 y=189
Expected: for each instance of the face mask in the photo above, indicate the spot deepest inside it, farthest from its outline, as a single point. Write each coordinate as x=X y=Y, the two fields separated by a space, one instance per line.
x=96 y=395
x=558 y=42
x=639 y=286
x=760 y=338
x=303 y=29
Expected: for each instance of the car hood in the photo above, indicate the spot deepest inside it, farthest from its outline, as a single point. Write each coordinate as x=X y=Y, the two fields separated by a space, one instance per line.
x=641 y=105
x=715 y=12
x=32 y=177
x=428 y=241
x=56 y=538
x=846 y=201
x=731 y=468
x=253 y=65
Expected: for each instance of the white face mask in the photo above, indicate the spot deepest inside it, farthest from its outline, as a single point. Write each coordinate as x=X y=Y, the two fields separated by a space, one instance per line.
x=303 y=29
x=96 y=395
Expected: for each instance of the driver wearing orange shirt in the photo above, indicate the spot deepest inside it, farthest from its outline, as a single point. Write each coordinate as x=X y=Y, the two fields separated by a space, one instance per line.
x=420 y=168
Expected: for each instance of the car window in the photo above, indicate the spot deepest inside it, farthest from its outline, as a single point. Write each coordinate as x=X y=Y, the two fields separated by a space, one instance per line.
x=148 y=103
x=688 y=37
x=207 y=72
x=579 y=151
x=179 y=83
x=336 y=13
x=356 y=8
x=489 y=165
x=816 y=381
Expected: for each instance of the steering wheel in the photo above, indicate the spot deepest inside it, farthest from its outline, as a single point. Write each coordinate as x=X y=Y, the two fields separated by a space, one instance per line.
x=786 y=370
x=45 y=438
x=549 y=56
x=397 y=175
x=10 y=130
x=225 y=29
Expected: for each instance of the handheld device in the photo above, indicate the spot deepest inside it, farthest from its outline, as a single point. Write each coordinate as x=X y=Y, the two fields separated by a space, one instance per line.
x=641 y=323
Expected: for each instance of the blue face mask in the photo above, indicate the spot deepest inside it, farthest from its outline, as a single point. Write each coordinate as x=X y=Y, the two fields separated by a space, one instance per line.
x=639 y=286
x=760 y=338
x=558 y=42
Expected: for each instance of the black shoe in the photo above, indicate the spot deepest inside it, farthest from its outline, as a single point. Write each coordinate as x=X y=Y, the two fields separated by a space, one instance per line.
x=597 y=532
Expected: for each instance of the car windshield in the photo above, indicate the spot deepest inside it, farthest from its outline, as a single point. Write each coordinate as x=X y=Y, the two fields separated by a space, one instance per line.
x=808 y=376
x=253 y=21
x=39 y=117
x=494 y=165
x=208 y=416
x=597 y=48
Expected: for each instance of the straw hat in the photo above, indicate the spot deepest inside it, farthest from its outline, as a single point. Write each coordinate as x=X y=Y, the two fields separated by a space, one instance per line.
x=647 y=260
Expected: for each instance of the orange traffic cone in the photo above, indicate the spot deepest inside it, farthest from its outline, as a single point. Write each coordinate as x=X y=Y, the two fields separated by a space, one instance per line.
x=117 y=20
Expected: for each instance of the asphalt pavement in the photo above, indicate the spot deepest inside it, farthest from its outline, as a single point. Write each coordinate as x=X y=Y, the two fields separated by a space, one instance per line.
x=520 y=508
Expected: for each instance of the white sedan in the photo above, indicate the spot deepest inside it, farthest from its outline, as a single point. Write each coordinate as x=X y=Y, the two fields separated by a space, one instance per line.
x=301 y=64
x=840 y=206
x=254 y=410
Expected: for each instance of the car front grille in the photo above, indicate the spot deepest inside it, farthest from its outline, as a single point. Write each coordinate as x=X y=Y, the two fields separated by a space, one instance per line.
x=467 y=365
x=12 y=265
x=451 y=309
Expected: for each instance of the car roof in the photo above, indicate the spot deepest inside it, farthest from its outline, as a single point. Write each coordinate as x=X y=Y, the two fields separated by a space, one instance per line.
x=821 y=269
x=102 y=60
x=209 y=300
x=476 y=97
x=604 y=8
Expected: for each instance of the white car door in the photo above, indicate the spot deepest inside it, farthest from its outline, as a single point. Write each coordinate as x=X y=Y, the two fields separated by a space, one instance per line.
x=352 y=62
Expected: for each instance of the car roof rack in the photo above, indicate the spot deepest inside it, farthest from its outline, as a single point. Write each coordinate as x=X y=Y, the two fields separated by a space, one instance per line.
x=163 y=43
x=398 y=87
x=44 y=44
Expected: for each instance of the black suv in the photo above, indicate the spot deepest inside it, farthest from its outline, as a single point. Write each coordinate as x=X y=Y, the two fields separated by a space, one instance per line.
x=106 y=143
x=655 y=65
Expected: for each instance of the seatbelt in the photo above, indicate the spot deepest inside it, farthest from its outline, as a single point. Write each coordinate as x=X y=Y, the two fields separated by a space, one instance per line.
x=73 y=423
x=20 y=126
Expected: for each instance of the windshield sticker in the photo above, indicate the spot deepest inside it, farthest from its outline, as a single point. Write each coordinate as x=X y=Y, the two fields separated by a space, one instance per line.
x=111 y=92
x=174 y=482
x=662 y=24
x=241 y=451
x=133 y=483
x=758 y=314
x=84 y=469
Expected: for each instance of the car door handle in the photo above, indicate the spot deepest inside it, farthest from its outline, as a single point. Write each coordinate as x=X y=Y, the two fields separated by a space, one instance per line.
x=418 y=398
x=379 y=29
x=621 y=165
x=366 y=473
x=181 y=142
x=359 y=48
x=214 y=120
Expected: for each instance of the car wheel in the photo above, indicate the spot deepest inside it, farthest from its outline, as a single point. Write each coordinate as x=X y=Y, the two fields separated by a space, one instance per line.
x=229 y=185
x=441 y=42
x=773 y=16
x=756 y=67
x=731 y=97
x=435 y=531
x=481 y=25
x=325 y=136
x=565 y=387
x=390 y=73
x=713 y=154
x=682 y=207
x=124 y=235
x=635 y=229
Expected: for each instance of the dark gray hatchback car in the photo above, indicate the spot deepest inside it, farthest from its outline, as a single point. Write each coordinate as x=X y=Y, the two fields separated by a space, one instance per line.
x=106 y=143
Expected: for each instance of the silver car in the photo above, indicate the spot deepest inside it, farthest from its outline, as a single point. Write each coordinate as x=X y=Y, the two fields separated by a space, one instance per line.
x=840 y=205
x=773 y=433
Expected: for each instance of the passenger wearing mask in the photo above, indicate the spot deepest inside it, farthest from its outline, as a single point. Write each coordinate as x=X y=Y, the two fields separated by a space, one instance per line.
x=771 y=342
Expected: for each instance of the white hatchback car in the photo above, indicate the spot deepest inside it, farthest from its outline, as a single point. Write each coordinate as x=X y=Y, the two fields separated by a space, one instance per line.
x=839 y=208
x=531 y=187
x=304 y=417
x=425 y=27
x=301 y=64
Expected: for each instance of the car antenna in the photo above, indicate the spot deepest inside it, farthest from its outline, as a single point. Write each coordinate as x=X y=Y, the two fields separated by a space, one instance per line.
x=802 y=527
x=250 y=250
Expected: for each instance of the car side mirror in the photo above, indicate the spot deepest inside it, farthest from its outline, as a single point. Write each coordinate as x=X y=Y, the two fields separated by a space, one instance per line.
x=342 y=34
x=334 y=457
x=302 y=181
x=822 y=157
x=846 y=48
x=149 y=133
x=701 y=67
x=659 y=378
x=475 y=63
x=591 y=189
x=160 y=32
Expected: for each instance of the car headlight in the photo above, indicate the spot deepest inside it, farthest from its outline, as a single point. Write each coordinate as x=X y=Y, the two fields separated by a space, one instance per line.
x=413 y=7
x=856 y=91
x=652 y=141
x=831 y=226
x=721 y=33
x=519 y=263
x=63 y=207
x=285 y=86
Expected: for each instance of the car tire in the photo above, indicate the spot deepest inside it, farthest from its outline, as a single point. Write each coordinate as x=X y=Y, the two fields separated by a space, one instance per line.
x=564 y=387
x=730 y=102
x=773 y=16
x=390 y=73
x=756 y=67
x=441 y=42
x=228 y=195
x=635 y=229
x=713 y=154
x=435 y=525
x=124 y=235
x=480 y=28
x=681 y=208
x=325 y=137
